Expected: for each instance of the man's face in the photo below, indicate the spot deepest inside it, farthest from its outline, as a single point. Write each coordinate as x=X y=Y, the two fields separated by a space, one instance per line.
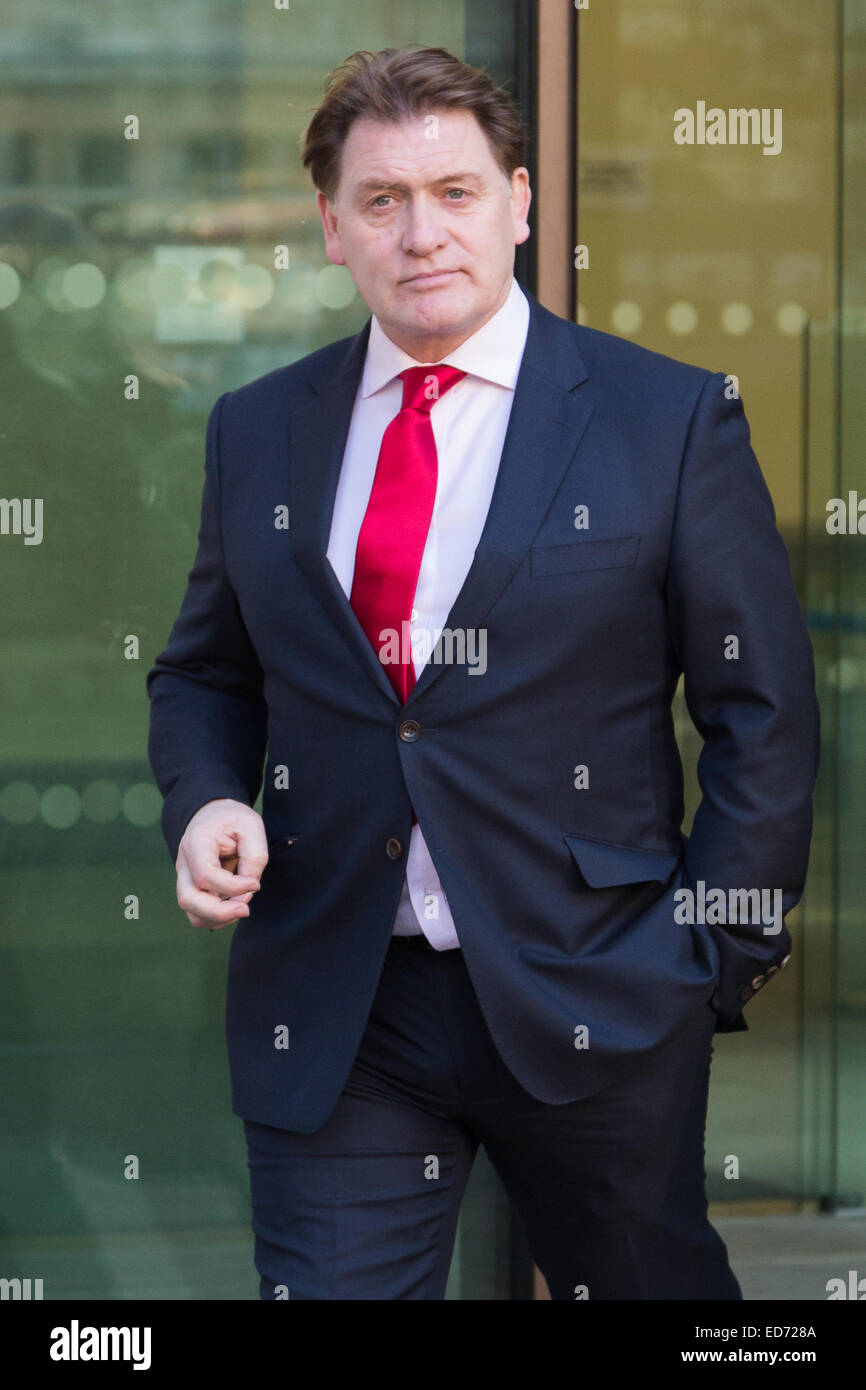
x=427 y=224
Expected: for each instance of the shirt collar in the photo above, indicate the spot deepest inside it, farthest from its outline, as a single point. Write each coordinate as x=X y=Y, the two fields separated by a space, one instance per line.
x=494 y=352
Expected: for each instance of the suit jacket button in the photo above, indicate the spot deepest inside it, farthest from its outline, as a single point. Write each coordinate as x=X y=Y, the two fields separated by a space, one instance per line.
x=393 y=848
x=409 y=730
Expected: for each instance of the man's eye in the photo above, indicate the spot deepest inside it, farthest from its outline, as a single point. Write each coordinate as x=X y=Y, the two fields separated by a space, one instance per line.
x=461 y=191
x=377 y=201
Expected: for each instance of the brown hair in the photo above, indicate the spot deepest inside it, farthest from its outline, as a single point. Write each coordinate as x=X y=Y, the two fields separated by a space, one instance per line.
x=396 y=84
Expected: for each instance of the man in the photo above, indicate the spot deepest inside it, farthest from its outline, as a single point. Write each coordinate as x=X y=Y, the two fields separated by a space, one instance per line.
x=449 y=573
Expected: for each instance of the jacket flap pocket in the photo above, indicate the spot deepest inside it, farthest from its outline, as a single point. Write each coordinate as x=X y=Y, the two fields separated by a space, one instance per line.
x=605 y=866
x=584 y=555
x=278 y=847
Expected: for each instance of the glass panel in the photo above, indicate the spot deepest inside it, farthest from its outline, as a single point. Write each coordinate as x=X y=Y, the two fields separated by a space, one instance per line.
x=149 y=175
x=724 y=253
x=851 y=673
x=834 y=977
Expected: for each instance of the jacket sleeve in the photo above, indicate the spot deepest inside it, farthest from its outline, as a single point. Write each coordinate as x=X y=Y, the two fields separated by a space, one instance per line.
x=749 y=685
x=208 y=717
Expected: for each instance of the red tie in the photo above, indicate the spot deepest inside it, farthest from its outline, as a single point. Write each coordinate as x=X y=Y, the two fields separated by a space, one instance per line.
x=394 y=530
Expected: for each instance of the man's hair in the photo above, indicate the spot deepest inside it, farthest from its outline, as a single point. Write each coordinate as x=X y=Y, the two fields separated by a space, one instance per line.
x=397 y=84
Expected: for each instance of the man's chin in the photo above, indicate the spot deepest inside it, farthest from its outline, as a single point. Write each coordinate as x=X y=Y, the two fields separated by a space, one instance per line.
x=436 y=310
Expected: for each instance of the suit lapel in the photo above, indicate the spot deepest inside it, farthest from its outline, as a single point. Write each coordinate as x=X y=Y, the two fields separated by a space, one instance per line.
x=317 y=440
x=547 y=421
x=545 y=428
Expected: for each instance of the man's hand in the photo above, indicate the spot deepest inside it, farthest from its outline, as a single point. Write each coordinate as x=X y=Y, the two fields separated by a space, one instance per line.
x=207 y=891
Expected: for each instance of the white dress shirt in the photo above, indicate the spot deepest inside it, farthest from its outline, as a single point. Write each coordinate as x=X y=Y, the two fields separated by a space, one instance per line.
x=469 y=425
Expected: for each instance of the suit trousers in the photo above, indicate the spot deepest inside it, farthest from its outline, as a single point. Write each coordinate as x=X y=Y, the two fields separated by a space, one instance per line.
x=610 y=1188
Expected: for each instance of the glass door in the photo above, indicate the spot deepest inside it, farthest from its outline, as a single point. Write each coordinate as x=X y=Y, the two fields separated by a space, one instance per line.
x=159 y=244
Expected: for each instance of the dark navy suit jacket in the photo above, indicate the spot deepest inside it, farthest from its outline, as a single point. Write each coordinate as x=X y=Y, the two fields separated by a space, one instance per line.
x=562 y=894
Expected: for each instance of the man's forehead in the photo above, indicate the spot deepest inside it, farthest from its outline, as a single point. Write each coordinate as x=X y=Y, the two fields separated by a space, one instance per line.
x=415 y=142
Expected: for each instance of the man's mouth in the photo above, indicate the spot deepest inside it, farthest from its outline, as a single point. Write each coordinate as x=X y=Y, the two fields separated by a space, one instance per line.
x=431 y=277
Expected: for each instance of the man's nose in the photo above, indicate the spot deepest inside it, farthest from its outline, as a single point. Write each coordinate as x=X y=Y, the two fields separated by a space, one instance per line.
x=423 y=230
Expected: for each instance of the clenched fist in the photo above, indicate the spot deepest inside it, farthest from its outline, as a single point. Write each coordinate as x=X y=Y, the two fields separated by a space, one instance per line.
x=221 y=835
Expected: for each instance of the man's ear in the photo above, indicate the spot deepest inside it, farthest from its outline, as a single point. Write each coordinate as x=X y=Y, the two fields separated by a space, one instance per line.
x=521 y=197
x=333 y=243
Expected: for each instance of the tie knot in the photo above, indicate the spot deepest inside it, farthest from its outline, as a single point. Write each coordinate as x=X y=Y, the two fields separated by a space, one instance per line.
x=422 y=386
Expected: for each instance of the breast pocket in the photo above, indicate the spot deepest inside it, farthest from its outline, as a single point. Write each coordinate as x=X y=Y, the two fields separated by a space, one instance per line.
x=616 y=553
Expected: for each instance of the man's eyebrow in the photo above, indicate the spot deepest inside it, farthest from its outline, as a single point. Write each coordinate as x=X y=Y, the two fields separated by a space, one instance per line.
x=369 y=185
